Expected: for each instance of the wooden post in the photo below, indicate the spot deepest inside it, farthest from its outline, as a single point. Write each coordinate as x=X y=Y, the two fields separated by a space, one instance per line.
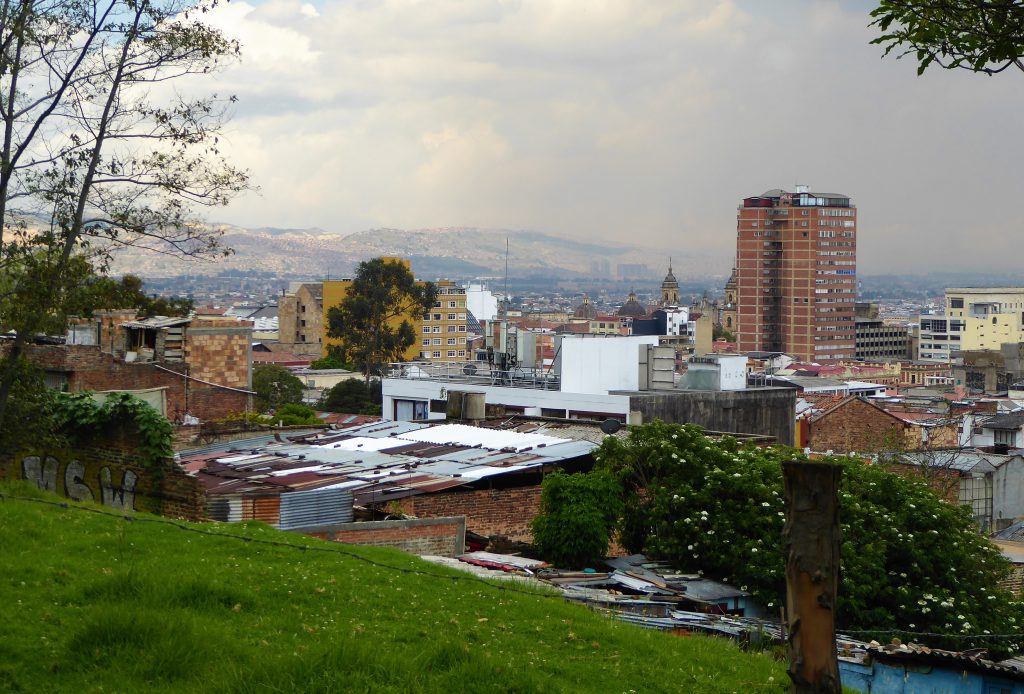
x=810 y=540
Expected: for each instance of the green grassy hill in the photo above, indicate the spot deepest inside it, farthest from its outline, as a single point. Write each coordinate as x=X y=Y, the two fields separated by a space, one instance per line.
x=94 y=603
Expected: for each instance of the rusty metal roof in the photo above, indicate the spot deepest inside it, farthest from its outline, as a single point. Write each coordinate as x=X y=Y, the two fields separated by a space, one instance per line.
x=379 y=461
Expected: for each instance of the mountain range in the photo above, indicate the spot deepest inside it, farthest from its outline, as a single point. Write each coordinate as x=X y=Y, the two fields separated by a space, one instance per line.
x=458 y=252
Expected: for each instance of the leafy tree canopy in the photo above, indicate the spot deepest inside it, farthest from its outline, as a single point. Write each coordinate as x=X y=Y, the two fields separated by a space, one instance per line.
x=984 y=36
x=128 y=292
x=910 y=561
x=576 y=519
x=275 y=386
x=332 y=361
x=353 y=396
x=375 y=321
x=295 y=415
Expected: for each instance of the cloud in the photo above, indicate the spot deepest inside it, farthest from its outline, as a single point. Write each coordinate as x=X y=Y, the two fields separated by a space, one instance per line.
x=613 y=119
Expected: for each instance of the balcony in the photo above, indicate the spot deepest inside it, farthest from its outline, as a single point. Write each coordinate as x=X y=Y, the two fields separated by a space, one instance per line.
x=479 y=373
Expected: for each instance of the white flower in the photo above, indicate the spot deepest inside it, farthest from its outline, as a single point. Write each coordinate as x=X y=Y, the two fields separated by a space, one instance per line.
x=765 y=504
x=753 y=550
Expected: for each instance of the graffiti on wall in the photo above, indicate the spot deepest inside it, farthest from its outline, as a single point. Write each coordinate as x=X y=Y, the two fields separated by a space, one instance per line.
x=82 y=481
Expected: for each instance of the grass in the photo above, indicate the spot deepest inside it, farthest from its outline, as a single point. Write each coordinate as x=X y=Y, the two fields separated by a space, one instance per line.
x=90 y=603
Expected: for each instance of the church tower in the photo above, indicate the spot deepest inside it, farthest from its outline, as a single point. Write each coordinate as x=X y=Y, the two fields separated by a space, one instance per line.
x=729 y=318
x=669 y=288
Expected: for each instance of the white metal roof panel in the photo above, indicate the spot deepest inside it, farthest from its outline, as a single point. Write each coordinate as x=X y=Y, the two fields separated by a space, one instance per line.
x=460 y=434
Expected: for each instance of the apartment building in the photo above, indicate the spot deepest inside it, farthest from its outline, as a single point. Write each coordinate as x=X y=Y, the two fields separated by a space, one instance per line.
x=974 y=319
x=796 y=274
x=443 y=329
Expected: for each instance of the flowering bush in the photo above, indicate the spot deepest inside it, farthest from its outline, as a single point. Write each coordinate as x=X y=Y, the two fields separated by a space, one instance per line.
x=909 y=561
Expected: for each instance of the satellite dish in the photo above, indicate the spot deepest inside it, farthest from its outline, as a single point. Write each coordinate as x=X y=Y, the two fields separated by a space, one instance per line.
x=610 y=426
x=469 y=369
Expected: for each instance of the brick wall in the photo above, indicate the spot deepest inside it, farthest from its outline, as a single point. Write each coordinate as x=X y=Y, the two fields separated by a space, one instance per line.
x=444 y=537
x=110 y=472
x=88 y=368
x=856 y=426
x=488 y=512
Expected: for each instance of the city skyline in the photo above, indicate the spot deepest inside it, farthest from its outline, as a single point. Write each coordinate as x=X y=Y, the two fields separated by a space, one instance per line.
x=621 y=121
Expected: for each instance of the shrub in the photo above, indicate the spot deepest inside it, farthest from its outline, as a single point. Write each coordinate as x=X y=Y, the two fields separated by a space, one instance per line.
x=577 y=515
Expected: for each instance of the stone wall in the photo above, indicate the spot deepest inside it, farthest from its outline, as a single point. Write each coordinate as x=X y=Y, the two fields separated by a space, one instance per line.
x=445 y=537
x=110 y=473
x=489 y=512
x=219 y=352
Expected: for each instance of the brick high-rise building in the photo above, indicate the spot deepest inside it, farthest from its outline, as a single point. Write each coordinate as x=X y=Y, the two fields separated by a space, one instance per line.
x=796 y=274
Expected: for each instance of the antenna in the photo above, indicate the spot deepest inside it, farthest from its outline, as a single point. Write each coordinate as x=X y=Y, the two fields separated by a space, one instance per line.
x=506 y=268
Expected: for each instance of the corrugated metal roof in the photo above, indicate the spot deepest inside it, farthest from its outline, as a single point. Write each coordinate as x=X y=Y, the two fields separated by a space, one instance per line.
x=374 y=462
x=315 y=508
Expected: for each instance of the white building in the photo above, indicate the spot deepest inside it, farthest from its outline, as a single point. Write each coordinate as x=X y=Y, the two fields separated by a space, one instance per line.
x=481 y=302
x=590 y=378
x=975 y=318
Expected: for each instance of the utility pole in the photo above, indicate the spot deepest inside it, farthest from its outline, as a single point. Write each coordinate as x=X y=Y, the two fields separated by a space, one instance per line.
x=810 y=541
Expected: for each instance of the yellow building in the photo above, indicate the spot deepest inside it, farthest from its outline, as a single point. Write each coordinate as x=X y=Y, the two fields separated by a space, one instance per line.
x=441 y=332
x=975 y=318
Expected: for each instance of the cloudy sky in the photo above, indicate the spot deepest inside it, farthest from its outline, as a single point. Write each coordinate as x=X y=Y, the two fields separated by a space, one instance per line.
x=632 y=120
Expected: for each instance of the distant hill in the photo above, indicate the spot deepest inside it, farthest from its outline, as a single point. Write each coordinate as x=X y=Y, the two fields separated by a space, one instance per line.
x=446 y=252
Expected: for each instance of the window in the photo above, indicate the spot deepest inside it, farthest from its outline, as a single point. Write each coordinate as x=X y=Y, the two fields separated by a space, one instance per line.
x=437 y=316
x=462 y=352
x=436 y=329
x=426 y=342
x=302 y=308
x=426 y=328
x=451 y=353
x=437 y=341
x=452 y=304
x=462 y=316
x=451 y=328
x=425 y=355
x=451 y=316
x=451 y=340
x=436 y=355
x=462 y=328
x=956 y=302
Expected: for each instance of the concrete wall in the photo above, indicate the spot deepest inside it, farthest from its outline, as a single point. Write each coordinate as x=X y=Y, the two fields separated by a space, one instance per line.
x=762 y=411
x=596 y=365
x=425 y=390
x=1008 y=489
x=445 y=537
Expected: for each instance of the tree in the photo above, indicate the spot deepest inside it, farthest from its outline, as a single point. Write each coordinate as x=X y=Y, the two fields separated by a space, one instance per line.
x=96 y=152
x=985 y=36
x=103 y=292
x=353 y=396
x=375 y=320
x=576 y=519
x=276 y=386
x=909 y=561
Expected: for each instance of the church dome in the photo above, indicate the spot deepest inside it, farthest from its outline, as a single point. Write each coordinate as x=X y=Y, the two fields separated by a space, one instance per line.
x=585 y=310
x=633 y=308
